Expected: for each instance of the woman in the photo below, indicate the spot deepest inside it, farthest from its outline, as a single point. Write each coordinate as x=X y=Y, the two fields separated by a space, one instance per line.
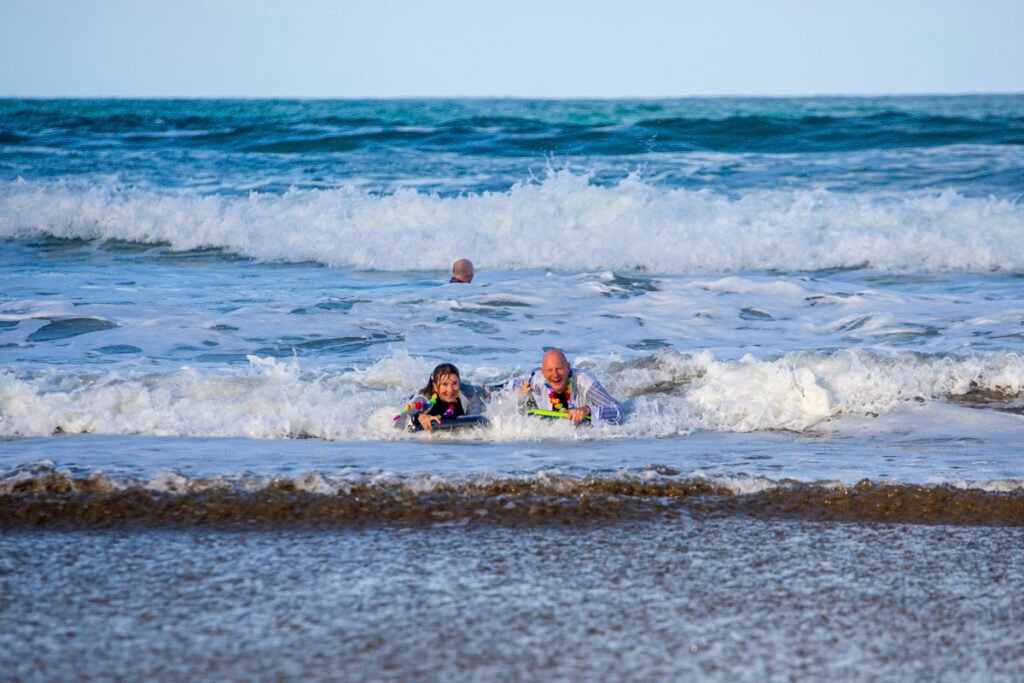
x=441 y=397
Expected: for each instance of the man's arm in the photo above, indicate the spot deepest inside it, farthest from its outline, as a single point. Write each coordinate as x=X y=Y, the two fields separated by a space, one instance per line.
x=603 y=408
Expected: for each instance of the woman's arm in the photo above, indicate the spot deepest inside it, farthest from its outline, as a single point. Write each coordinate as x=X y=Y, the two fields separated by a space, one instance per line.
x=417 y=408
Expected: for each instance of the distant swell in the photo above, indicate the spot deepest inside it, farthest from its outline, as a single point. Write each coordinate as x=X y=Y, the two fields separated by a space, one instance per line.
x=734 y=134
x=510 y=128
x=632 y=225
x=50 y=498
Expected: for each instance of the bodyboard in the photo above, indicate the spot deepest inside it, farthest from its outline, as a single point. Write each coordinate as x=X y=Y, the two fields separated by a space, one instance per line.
x=451 y=424
x=552 y=414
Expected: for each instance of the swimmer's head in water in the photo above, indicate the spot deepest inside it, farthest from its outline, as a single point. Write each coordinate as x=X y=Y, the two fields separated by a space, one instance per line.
x=462 y=271
x=444 y=381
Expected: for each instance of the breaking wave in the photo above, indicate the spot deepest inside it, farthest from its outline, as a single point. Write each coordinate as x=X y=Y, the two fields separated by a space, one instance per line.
x=564 y=221
x=664 y=394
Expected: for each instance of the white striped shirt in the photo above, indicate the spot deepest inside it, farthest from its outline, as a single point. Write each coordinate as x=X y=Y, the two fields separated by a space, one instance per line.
x=586 y=391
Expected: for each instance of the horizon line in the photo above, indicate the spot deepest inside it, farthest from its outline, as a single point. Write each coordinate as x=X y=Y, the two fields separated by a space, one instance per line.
x=823 y=95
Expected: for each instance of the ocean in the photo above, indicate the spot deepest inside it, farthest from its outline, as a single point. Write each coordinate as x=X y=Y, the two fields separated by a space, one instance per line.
x=811 y=310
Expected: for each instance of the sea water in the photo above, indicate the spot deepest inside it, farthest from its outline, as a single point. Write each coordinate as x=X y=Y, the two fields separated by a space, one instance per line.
x=812 y=311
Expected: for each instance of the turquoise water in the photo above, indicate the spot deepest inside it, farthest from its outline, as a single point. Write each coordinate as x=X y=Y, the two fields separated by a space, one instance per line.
x=971 y=144
x=810 y=309
x=832 y=270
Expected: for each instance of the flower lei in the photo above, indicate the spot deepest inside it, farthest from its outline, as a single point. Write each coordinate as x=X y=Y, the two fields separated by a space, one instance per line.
x=451 y=406
x=426 y=405
x=556 y=401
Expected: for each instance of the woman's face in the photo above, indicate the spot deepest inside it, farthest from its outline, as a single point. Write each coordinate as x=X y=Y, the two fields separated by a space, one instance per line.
x=447 y=388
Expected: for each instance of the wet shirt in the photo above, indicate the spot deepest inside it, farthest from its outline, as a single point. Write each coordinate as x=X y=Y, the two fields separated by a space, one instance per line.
x=586 y=391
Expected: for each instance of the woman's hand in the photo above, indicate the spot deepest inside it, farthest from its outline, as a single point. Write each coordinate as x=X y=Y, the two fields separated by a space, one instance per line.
x=427 y=421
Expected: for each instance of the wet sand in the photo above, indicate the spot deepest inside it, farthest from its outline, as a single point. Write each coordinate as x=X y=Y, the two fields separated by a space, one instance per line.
x=719 y=597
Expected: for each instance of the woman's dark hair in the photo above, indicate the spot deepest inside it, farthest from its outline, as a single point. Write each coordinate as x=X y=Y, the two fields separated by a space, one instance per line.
x=442 y=370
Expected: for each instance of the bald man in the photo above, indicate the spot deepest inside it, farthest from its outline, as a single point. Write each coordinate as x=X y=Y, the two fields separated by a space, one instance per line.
x=462 y=271
x=576 y=392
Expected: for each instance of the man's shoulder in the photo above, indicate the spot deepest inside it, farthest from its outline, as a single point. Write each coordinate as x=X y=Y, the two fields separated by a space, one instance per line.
x=584 y=377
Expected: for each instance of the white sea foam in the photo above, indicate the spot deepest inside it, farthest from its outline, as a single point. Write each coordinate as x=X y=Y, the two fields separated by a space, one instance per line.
x=738 y=485
x=629 y=225
x=667 y=394
x=40 y=475
x=801 y=390
x=167 y=481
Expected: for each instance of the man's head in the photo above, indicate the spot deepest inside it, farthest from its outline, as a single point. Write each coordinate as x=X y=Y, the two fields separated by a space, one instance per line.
x=462 y=270
x=555 y=368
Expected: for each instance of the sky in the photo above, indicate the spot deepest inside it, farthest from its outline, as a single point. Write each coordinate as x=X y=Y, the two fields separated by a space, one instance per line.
x=526 y=48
